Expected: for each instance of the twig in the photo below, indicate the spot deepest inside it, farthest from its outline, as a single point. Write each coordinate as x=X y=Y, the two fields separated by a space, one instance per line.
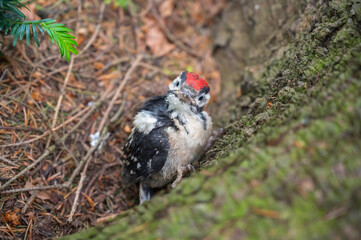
x=3 y=75
x=115 y=62
x=118 y=91
x=28 y=228
x=21 y=49
x=99 y=173
x=52 y=148
x=26 y=142
x=77 y=193
x=21 y=103
x=169 y=35
x=102 y=123
x=25 y=129
x=43 y=115
x=84 y=160
x=67 y=77
x=92 y=109
x=10 y=230
x=18 y=190
x=29 y=201
x=87 y=115
x=60 y=99
x=120 y=110
x=8 y=161
x=47 y=132
x=61 y=69
x=29 y=95
x=154 y=68
x=97 y=28
x=45 y=154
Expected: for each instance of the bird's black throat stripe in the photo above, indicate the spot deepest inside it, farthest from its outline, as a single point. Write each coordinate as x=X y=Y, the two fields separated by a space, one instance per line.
x=204 y=120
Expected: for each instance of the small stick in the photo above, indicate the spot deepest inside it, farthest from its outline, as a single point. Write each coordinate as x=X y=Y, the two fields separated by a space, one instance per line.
x=18 y=190
x=97 y=28
x=92 y=109
x=45 y=118
x=29 y=201
x=102 y=123
x=99 y=173
x=118 y=91
x=67 y=77
x=8 y=161
x=115 y=62
x=45 y=154
x=84 y=160
x=25 y=129
x=77 y=193
x=28 y=229
x=47 y=132
x=52 y=148
x=154 y=68
x=60 y=99
x=3 y=75
x=169 y=35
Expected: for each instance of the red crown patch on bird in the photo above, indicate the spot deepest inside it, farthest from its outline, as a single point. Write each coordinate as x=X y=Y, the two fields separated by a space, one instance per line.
x=194 y=81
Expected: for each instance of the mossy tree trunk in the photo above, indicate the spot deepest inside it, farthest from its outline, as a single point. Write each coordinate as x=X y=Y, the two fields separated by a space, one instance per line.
x=290 y=168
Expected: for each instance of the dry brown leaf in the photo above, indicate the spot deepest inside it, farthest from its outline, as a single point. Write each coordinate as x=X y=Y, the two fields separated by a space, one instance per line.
x=82 y=33
x=196 y=11
x=74 y=82
x=166 y=9
x=52 y=215
x=66 y=106
x=91 y=202
x=127 y=129
x=44 y=195
x=299 y=144
x=102 y=219
x=109 y=76
x=36 y=75
x=45 y=3
x=36 y=95
x=266 y=213
x=30 y=216
x=156 y=40
x=12 y=217
x=28 y=184
x=98 y=65
x=72 y=77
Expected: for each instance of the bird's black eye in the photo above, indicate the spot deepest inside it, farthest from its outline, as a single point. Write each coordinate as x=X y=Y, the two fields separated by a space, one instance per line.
x=200 y=98
x=177 y=84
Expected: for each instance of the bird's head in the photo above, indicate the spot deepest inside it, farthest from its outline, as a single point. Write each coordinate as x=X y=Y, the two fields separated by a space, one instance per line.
x=190 y=89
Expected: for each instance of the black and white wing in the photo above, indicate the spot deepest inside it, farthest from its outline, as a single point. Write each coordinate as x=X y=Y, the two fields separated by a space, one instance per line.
x=147 y=148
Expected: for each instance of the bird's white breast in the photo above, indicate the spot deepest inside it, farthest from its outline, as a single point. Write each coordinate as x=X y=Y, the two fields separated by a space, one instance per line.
x=188 y=142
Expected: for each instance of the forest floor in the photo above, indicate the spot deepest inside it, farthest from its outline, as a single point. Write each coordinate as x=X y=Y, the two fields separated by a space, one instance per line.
x=54 y=181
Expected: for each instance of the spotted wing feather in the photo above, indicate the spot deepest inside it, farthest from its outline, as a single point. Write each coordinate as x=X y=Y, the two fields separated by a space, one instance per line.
x=146 y=153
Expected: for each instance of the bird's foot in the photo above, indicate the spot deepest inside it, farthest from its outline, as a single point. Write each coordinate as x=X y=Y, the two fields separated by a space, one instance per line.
x=190 y=168
x=180 y=172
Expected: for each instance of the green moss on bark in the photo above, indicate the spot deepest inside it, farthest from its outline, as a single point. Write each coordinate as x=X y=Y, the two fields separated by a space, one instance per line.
x=289 y=171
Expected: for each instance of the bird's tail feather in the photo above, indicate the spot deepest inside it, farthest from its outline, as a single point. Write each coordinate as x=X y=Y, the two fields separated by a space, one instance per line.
x=145 y=193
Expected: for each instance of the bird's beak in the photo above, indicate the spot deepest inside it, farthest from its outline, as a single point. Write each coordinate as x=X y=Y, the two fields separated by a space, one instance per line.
x=185 y=95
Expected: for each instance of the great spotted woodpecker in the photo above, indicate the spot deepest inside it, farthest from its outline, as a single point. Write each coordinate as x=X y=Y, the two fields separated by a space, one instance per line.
x=170 y=132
